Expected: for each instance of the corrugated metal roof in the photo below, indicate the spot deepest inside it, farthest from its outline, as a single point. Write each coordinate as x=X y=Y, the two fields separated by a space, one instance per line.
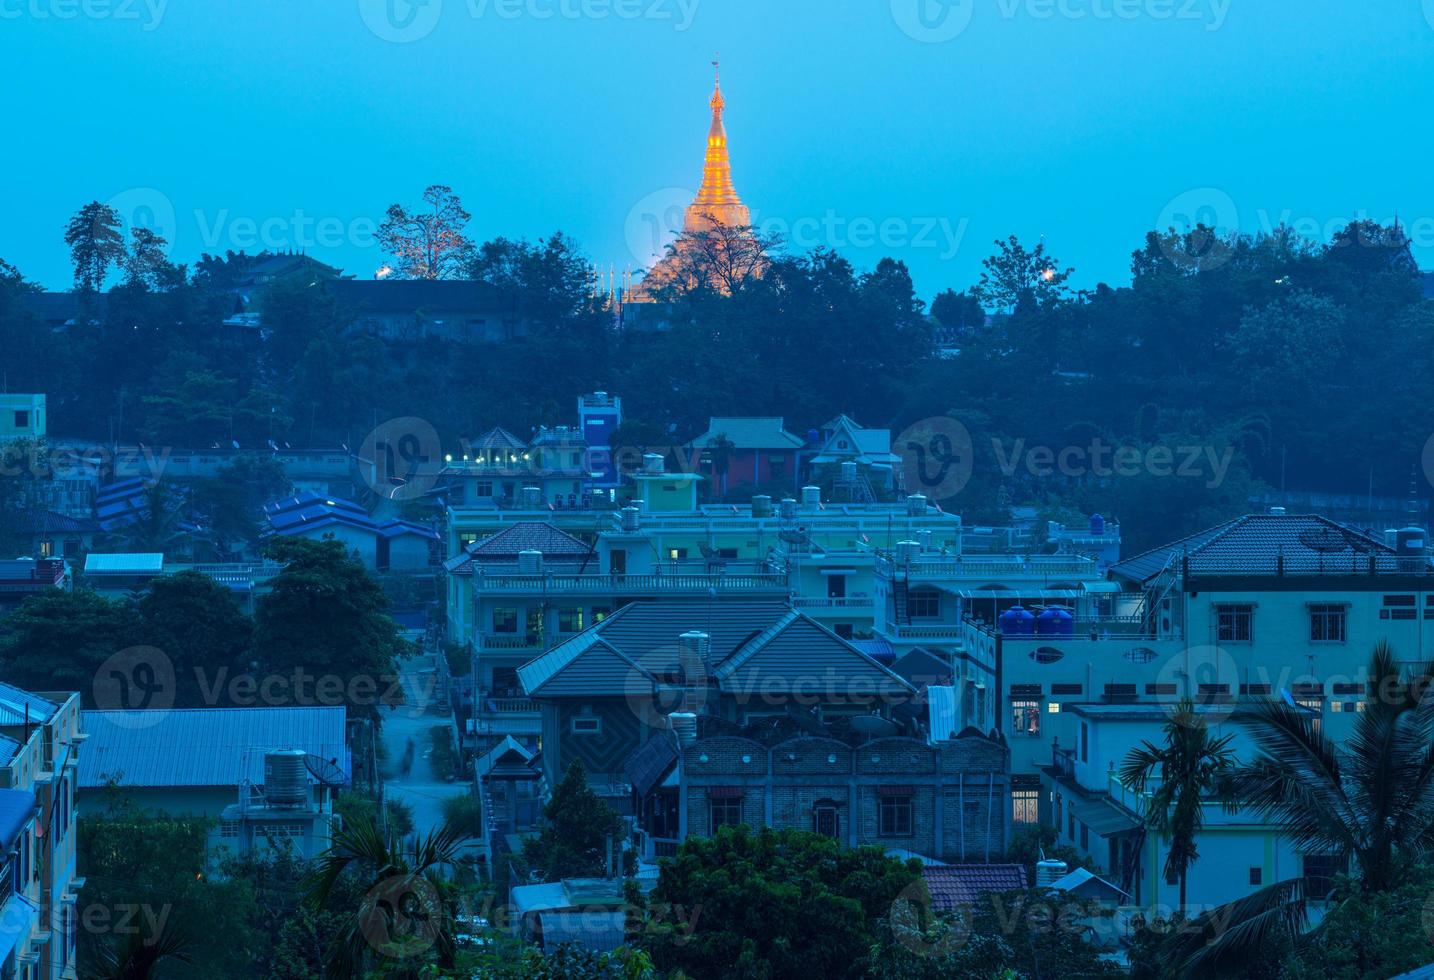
x=17 y=806
x=196 y=747
x=941 y=713
x=17 y=706
x=140 y=563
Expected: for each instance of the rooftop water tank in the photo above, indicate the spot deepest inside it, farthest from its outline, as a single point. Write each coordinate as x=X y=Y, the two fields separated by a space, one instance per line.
x=684 y=724
x=761 y=505
x=631 y=519
x=848 y=471
x=906 y=551
x=286 y=778
x=652 y=463
x=531 y=498
x=530 y=562
x=787 y=509
x=1097 y=525
x=1049 y=871
x=1017 y=621
x=811 y=496
x=1055 y=621
x=916 y=505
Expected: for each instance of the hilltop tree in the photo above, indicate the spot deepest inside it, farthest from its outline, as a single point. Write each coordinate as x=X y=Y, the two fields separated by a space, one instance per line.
x=1016 y=274
x=147 y=263
x=428 y=244
x=96 y=244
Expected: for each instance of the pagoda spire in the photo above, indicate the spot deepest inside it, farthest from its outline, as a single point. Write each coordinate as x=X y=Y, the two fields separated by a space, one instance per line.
x=717 y=200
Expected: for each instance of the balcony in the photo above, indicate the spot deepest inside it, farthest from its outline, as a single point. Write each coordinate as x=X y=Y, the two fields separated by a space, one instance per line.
x=851 y=602
x=629 y=585
x=509 y=706
x=924 y=631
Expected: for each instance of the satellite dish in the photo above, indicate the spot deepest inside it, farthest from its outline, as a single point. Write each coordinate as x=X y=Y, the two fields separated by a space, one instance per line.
x=326 y=772
x=873 y=725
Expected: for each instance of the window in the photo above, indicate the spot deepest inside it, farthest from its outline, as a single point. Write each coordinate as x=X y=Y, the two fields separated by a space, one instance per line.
x=726 y=811
x=22 y=419
x=1053 y=708
x=1235 y=622
x=1327 y=623
x=1160 y=689
x=727 y=553
x=1140 y=655
x=1254 y=689
x=1069 y=689
x=1320 y=870
x=1070 y=824
x=923 y=604
x=894 y=816
x=587 y=726
x=1398 y=607
x=570 y=620
x=1025 y=806
x=1046 y=655
x=1257 y=876
x=824 y=821
x=675 y=553
x=505 y=620
x=1084 y=837
x=1084 y=742
x=1026 y=717
x=600 y=613
x=228 y=828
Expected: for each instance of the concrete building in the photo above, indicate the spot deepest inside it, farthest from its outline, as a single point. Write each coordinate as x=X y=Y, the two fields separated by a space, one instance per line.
x=40 y=739
x=22 y=417
x=260 y=773
x=759 y=452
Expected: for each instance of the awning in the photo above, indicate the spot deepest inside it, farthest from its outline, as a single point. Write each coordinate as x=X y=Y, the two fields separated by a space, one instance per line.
x=17 y=918
x=1104 y=818
x=1101 y=586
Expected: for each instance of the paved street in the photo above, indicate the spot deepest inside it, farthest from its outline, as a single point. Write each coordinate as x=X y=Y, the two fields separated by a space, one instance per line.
x=417 y=787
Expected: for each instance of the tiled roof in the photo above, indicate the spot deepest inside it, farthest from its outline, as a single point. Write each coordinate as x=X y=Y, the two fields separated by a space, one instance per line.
x=650 y=764
x=203 y=746
x=52 y=522
x=757 y=646
x=307 y=512
x=749 y=433
x=510 y=542
x=1268 y=544
x=955 y=885
x=497 y=438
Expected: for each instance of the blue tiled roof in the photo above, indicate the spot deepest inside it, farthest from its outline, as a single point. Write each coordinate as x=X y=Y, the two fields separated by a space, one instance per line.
x=307 y=512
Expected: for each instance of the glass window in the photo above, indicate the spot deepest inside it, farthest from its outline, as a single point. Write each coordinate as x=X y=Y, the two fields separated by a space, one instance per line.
x=923 y=604
x=726 y=811
x=895 y=816
x=570 y=620
x=505 y=620
x=1026 y=717
x=1327 y=623
x=1025 y=806
x=587 y=726
x=1235 y=622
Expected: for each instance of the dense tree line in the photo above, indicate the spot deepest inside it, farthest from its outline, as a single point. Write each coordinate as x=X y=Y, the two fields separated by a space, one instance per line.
x=1276 y=360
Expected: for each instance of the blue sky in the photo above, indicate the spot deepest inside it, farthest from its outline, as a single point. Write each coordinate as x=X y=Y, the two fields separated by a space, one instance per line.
x=921 y=129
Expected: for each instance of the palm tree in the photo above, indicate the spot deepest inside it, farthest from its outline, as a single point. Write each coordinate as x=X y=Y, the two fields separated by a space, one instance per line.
x=1192 y=767
x=1369 y=801
x=403 y=912
x=722 y=450
x=139 y=956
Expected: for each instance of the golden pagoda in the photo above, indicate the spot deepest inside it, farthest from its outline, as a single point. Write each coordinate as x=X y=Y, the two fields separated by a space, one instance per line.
x=717 y=201
x=713 y=215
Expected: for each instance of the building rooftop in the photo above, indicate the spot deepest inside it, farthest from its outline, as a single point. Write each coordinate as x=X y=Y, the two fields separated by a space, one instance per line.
x=749 y=433
x=140 y=563
x=1272 y=544
x=17 y=707
x=953 y=886
x=308 y=512
x=203 y=747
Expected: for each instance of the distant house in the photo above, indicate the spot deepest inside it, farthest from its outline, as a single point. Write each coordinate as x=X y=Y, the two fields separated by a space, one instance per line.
x=61 y=311
x=414 y=309
x=842 y=440
x=23 y=577
x=50 y=534
x=384 y=545
x=954 y=887
x=257 y=771
x=550 y=470
x=757 y=451
x=120 y=574
x=22 y=417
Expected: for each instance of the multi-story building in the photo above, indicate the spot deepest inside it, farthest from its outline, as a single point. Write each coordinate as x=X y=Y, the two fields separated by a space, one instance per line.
x=22 y=417
x=40 y=739
x=599 y=416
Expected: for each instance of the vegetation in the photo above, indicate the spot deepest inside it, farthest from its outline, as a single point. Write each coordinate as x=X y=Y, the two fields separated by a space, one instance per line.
x=1190 y=769
x=579 y=832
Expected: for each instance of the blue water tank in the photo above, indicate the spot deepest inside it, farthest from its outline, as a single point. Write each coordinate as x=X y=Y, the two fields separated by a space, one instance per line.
x=1097 y=525
x=1055 y=621
x=1017 y=621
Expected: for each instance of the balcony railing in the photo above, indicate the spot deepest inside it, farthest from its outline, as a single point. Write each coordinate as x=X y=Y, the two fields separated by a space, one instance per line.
x=834 y=602
x=932 y=631
x=992 y=567
x=630 y=584
x=510 y=706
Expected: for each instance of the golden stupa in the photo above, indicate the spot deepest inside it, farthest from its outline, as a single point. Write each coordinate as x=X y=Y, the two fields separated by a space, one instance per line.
x=717 y=201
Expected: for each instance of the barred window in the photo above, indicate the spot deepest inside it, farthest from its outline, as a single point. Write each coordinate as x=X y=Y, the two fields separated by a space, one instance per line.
x=1327 y=623
x=1235 y=622
x=895 y=816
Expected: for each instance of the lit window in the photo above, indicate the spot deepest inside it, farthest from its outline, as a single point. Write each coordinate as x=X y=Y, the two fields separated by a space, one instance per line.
x=1053 y=708
x=1026 y=717
x=1025 y=806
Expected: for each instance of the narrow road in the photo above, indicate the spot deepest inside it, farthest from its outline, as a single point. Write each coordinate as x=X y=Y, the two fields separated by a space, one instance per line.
x=419 y=787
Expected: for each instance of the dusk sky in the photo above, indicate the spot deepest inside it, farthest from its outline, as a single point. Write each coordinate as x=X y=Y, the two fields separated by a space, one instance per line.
x=860 y=126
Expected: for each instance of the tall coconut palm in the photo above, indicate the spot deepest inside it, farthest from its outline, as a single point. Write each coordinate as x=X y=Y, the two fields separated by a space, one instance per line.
x=1370 y=800
x=1192 y=767
x=403 y=913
